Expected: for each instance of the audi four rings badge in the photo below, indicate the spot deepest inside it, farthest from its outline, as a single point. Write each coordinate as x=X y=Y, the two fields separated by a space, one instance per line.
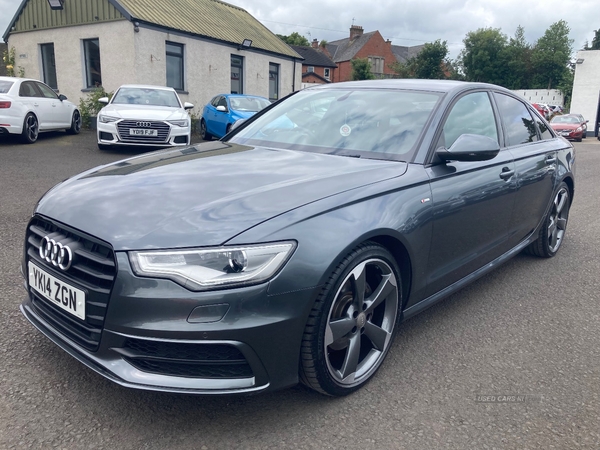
x=143 y=124
x=56 y=253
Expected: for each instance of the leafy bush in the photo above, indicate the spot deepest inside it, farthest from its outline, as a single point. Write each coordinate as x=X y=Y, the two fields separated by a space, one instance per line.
x=89 y=106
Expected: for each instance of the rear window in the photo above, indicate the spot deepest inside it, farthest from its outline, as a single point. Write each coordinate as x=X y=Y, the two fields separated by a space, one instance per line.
x=5 y=86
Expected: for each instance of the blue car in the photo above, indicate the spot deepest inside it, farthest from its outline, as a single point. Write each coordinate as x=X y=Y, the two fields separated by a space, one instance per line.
x=223 y=110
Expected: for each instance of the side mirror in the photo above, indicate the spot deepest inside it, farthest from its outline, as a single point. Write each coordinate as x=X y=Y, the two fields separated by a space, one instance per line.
x=103 y=100
x=470 y=147
x=62 y=97
x=188 y=105
x=221 y=108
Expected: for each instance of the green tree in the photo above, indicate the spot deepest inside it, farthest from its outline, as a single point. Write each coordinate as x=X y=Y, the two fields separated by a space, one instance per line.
x=430 y=62
x=483 y=58
x=294 y=39
x=551 y=55
x=595 y=41
x=361 y=69
x=517 y=55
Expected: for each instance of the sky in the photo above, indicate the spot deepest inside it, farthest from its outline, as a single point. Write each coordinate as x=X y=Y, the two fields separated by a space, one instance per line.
x=410 y=22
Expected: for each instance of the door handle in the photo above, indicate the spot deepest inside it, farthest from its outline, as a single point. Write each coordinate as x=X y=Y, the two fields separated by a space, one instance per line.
x=506 y=173
x=550 y=159
x=36 y=104
x=54 y=105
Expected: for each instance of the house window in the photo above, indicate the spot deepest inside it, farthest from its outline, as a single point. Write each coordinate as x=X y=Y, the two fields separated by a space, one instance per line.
x=48 y=65
x=326 y=73
x=273 y=81
x=237 y=70
x=376 y=64
x=91 y=52
x=311 y=69
x=175 y=65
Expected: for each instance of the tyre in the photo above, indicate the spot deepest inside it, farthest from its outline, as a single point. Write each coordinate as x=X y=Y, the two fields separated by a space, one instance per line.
x=352 y=323
x=30 y=129
x=75 y=123
x=205 y=135
x=553 y=231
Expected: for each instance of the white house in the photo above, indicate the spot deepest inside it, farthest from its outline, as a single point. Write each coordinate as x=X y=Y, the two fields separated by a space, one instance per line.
x=586 y=88
x=200 y=47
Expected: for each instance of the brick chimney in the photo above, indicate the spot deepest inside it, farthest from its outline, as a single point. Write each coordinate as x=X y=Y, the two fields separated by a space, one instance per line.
x=355 y=31
x=314 y=43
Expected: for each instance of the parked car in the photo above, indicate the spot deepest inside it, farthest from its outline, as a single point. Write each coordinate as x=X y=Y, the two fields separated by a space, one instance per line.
x=294 y=249
x=28 y=107
x=219 y=115
x=570 y=126
x=150 y=116
x=542 y=109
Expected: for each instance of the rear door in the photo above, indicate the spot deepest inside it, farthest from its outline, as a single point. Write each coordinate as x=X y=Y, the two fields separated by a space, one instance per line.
x=533 y=147
x=472 y=201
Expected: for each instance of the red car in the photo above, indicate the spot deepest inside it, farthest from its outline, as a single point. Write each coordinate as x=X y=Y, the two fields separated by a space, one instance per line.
x=542 y=109
x=570 y=126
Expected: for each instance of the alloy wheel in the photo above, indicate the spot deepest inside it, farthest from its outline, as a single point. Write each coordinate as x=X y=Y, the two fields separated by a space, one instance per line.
x=557 y=223
x=361 y=322
x=31 y=125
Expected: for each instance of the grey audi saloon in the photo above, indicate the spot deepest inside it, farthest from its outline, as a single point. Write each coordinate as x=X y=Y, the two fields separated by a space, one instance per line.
x=293 y=249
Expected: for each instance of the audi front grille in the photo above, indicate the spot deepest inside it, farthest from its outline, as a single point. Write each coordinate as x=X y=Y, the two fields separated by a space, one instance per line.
x=162 y=128
x=92 y=269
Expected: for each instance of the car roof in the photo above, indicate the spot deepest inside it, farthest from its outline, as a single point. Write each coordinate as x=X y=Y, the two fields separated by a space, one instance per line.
x=146 y=86
x=442 y=86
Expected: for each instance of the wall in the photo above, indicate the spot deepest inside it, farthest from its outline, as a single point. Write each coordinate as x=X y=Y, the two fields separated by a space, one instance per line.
x=139 y=57
x=208 y=67
x=586 y=88
x=546 y=96
x=376 y=46
x=117 y=55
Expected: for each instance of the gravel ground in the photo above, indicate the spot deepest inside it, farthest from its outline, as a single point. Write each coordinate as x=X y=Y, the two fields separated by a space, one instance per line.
x=512 y=361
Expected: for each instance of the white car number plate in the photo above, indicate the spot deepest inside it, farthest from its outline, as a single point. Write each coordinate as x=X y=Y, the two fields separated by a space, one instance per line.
x=61 y=294
x=142 y=132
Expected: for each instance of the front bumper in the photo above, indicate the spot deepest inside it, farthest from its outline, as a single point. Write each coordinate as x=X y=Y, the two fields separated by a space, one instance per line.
x=172 y=352
x=116 y=133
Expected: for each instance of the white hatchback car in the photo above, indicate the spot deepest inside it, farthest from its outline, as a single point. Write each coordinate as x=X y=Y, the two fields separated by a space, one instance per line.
x=144 y=115
x=28 y=107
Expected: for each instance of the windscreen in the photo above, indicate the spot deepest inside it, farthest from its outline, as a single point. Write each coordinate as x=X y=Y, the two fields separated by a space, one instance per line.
x=250 y=104
x=146 y=96
x=565 y=119
x=370 y=123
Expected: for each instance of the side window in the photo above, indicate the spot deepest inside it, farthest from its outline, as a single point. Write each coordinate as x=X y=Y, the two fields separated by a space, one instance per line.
x=517 y=120
x=28 y=89
x=46 y=91
x=544 y=129
x=215 y=101
x=472 y=114
x=222 y=102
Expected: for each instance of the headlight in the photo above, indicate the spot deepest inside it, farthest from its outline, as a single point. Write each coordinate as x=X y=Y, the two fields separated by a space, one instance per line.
x=579 y=129
x=107 y=119
x=214 y=268
x=179 y=123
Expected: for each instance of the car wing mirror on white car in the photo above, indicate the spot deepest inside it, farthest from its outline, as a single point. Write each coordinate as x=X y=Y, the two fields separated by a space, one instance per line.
x=188 y=105
x=103 y=100
x=62 y=97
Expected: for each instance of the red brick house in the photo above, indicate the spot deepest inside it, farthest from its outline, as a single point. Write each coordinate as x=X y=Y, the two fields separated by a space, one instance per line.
x=380 y=53
x=317 y=67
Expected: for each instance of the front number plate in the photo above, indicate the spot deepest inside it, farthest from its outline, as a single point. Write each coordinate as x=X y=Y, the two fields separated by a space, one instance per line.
x=59 y=293
x=142 y=132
